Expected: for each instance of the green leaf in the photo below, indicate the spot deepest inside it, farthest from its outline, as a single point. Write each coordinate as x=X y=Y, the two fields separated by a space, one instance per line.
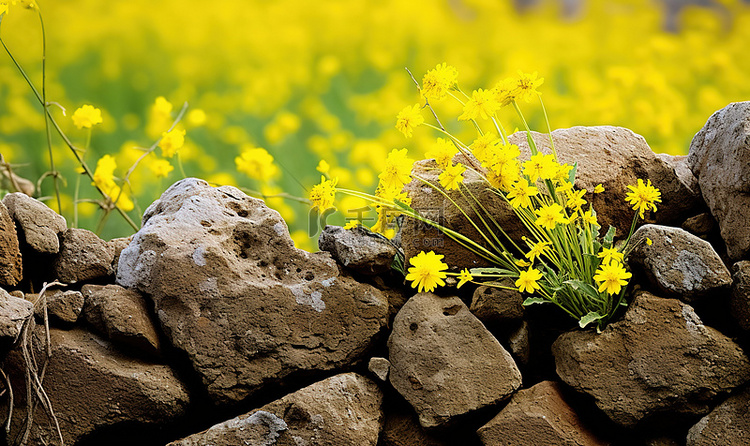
x=404 y=206
x=532 y=144
x=534 y=300
x=583 y=287
x=492 y=271
x=572 y=174
x=609 y=237
x=589 y=318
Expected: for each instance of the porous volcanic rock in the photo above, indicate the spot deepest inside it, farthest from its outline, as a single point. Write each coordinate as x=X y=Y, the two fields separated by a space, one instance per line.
x=493 y=305
x=11 y=266
x=444 y=362
x=537 y=415
x=13 y=312
x=91 y=385
x=83 y=257
x=719 y=157
x=358 y=249
x=659 y=358
x=341 y=410
x=122 y=316
x=232 y=291
x=63 y=306
x=38 y=225
x=739 y=301
x=727 y=424
x=677 y=263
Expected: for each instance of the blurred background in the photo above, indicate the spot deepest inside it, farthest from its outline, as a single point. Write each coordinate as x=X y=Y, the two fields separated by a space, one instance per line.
x=324 y=80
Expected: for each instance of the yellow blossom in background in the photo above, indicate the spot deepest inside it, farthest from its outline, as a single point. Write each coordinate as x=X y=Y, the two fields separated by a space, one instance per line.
x=87 y=116
x=323 y=167
x=409 y=118
x=527 y=280
x=162 y=107
x=256 y=163
x=427 y=271
x=171 y=142
x=481 y=105
x=442 y=152
x=437 y=82
x=611 y=277
x=643 y=197
x=526 y=86
x=160 y=168
x=196 y=117
x=322 y=195
x=452 y=176
x=104 y=179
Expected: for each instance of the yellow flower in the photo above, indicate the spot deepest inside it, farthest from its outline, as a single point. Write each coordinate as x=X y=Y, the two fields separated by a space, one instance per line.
x=643 y=197
x=437 y=82
x=256 y=163
x=563 y=173
x=427 y=271
x=483 y=147
x=322 y=194
x=540 y=166
x=442 y=152
x=4 y=7
x=526 y=85
x=323 y=167
x=171 y=142
x=609 y=255
x=527 y=280
x=537 y=250
x=87 y=117
x=598 y=188
x=409 y=118
x=503 y=175
x=505 y=91
x=481 y=105
x=197 y=117
x=452 y=176
x=564 y=188
x=104 y=179
x=589 y=217
x=463 y=277
x=649 y=242
x=160 y=168
x=549 y=216
x=522 y=263
x=351 y=224
x=162 y=107
x=520 y=193
x=397 y=170
x=575 y=200
x=611 y=277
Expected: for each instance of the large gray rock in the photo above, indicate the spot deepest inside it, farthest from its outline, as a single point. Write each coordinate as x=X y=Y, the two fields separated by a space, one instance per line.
x=122 y=316
x=537 y=416
x=341 y=410
x=494 y=306
x=739 y=301
x=677 y=263
x=38 y=225
x=63 y=307
x=720 y=158
x=232 y=291
x=91 y=386
x=727 y=424
x=358 y=249
x=658 y=358
x=445 y=363
x=83 y=257
x=13 y=313
x=11 y=266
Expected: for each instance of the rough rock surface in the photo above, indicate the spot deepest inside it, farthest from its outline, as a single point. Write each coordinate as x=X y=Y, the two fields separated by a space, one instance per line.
x=718 y=157
x=63 y=307
x=615 y=157
x=701 y=225
x=11 y=266
x=739 y=302
x=658 y=358
x=380 y=367
x=83 y=257
x=122 y=316
x=444 y=362
x=540 y=416
x=519 y=343
x=358 y=249
x=13 y=312
x=341 y=410
x=38 y=225
x=91 y=385
x=232 y=291
x=678 y=263
x=401 y=428
x=417 y=236
x=727 y=424
x=494 y=306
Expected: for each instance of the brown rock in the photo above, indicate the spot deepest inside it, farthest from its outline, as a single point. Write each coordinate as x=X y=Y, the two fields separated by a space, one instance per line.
x=538 y=415
x=122 y=316
x=341 y=410
x=701 y=225
x=739 y=302
x=380 y=367
x=677 y=263
x=445 y=363
x=83 y=257
x=402 y=428
x=727 y=424
x=494 y=306
x=13 y=313
x=63 y=307
x=91 y=385
x=659 y=358
x=38 y=225
x=519 y=344
x=358 y=249
x=719 y=157
x=118 y=245
x=11 y=267
x=232 y=291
